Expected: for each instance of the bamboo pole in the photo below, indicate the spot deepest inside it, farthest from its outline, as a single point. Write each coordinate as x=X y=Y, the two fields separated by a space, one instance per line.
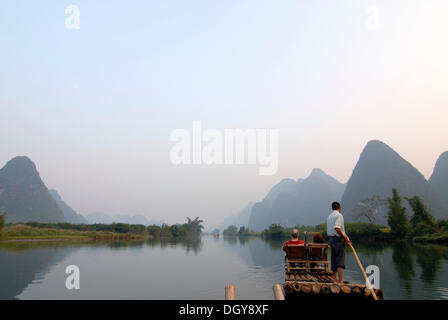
x=306 y=288
x=230 y=292
x=287 y=287
x=346 y=289
x=297 y=287
x=369 y=285
x=356 y=291
x=316 y=288
x=325 y=289
x=335 y=289
x=278 y=292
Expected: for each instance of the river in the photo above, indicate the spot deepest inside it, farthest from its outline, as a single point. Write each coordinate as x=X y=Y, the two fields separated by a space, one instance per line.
x=200 y=269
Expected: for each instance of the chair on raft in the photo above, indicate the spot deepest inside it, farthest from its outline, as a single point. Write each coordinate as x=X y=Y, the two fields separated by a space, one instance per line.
x=318 y=257
x=296 y=258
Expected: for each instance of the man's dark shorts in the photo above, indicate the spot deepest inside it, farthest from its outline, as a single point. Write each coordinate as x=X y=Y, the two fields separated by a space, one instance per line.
x=337 y=245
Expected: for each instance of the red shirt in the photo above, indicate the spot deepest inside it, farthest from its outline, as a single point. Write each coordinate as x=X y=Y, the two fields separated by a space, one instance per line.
x=292 y=242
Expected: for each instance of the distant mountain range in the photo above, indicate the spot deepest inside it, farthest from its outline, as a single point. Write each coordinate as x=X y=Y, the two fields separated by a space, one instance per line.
x=241 y=219
x=301 y=202
x=439 y=178
x=70 y=215
x=378 y=171
x=23 y=195
x=100 y=217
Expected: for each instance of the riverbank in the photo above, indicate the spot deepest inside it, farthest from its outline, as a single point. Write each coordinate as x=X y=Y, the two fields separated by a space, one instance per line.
x=21 y=232
x=441 y=238
x=357 y=231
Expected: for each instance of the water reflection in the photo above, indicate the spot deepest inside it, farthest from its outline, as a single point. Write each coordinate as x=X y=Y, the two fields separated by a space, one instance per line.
x=429 y=258
x=145 y=269
x=25 y=262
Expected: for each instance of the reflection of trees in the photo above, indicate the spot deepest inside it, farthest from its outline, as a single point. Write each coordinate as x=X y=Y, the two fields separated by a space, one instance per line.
x=116 y=245
x=193 y=244
x=243 y=239
x=404 y=264
x=230 y=239
x=429 y=258
x=371 y=249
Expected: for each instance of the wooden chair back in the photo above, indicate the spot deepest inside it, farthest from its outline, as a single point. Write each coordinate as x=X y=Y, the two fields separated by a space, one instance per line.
x=318 y=251
x=295 y=252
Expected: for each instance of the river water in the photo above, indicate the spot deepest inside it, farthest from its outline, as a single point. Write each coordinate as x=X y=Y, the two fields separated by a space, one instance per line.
x=200 y=269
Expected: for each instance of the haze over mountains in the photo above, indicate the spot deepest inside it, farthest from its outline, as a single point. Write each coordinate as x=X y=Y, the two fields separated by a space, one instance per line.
x=439 y=178
x=378 y=171
x=24 y=197
x=241 y=219
x=290 y=202
x=101 y=217
x=70 y=215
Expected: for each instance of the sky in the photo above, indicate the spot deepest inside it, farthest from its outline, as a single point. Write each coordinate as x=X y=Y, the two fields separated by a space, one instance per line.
x=95 y=107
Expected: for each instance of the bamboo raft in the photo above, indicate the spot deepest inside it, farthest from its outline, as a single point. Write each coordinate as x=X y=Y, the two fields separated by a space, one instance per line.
x=307 y=275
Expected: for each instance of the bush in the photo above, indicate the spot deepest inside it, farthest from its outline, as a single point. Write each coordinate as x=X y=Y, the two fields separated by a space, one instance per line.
x=275 y=231
x=230 y=231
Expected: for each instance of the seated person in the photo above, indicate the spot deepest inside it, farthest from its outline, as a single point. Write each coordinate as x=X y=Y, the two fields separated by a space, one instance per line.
x=294 y=239
x=318 y=238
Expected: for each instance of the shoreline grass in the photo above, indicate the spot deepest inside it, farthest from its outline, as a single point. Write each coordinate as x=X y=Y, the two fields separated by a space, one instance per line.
x=21 y=232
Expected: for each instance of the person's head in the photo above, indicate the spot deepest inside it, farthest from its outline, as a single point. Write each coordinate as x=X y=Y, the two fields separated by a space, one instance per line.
x=336 y=206
x=295 y=234
x=318 y=238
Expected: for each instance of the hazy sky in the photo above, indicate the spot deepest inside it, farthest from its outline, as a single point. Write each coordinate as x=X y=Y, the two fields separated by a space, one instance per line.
x=94 y=107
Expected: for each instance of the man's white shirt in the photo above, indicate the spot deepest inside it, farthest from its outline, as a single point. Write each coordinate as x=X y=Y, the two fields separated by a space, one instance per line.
x=335 y=220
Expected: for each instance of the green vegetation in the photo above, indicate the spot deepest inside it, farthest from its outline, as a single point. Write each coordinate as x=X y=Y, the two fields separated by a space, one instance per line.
x=115 y=231
x=28 y=232
x=230 y=231
x=276 y=231
x=233 y=231
x=191 y=230
x=422 y=227
x=114 y=227
x=397 y=217
x=423 y=223
x=361 y=231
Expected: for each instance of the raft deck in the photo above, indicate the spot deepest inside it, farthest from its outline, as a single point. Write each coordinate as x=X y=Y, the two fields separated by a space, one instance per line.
x=307 y=275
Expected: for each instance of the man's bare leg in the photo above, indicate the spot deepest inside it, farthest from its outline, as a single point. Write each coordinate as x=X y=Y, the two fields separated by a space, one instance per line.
x=340 y=274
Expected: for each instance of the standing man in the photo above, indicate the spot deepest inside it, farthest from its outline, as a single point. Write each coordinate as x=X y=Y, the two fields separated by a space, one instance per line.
x=338 y=239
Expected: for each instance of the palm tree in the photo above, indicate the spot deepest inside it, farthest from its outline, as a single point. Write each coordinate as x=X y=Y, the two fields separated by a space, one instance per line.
x=195 y=225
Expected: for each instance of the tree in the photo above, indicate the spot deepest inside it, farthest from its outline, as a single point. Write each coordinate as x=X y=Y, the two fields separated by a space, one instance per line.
x=275 y=231
x=369 y=208
x=397 y=218
x=422 y=221
x=243 y=231
x=230 y=231
x=195 y=226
